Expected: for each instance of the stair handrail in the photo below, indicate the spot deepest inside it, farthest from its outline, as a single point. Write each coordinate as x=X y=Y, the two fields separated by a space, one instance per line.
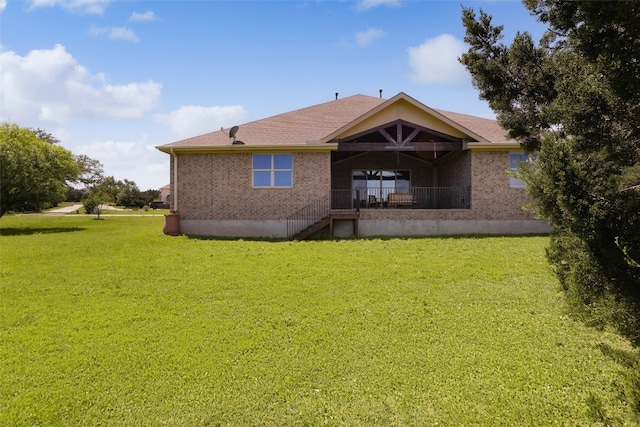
x=311 y=214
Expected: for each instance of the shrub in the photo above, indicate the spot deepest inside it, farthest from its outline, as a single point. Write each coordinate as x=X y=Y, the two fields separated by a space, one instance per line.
x=592 y=296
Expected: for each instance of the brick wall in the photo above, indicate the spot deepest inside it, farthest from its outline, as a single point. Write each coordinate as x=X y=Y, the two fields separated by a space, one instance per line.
x=454 y=170
x=491 y=195
x=219 y=187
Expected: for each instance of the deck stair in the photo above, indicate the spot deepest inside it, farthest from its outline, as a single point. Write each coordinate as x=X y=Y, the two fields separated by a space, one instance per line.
x=312 y=229
x=318 y=215
x=328 y=222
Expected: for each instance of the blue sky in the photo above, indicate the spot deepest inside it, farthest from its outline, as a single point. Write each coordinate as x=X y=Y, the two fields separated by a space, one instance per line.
x=114 y=79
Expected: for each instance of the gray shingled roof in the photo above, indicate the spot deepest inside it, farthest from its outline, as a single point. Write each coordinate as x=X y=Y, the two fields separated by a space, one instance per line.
x=313 y=123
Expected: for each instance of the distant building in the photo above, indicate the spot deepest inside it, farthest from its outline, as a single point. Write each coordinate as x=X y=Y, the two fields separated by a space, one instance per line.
x=165 y=193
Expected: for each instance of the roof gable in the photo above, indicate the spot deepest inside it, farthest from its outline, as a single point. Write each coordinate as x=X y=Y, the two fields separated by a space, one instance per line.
x=403 y=107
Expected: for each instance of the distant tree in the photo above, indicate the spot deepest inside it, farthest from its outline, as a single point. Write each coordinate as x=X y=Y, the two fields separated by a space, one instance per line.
x=76 y=194
x=122 y=193
x=109 y=188
x=33 y=173
x=91 y=171
x=574 y=98
x=95 y=199
x=150 y=195
x=45 y=136
x=129 y=195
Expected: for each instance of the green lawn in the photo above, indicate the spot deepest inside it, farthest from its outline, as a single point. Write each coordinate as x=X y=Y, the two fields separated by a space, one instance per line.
x=110 y=322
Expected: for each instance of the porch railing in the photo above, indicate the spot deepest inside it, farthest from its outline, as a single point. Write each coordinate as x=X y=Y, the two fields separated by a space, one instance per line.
x=421 y=198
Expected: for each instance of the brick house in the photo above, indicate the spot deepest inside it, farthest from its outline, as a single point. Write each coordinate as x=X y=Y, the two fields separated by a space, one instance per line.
x=359 y=165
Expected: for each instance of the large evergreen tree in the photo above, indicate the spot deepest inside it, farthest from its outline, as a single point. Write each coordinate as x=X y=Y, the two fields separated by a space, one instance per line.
x=574 y=98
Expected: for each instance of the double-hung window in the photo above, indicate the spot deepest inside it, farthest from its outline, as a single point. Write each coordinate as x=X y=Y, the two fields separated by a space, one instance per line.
x=272 y=170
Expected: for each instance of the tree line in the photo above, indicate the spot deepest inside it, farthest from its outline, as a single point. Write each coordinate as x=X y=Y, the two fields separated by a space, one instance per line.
x=37 y=173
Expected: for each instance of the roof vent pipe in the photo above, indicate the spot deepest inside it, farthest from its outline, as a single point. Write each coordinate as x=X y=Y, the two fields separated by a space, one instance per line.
x=336 y=96
x=380 y=93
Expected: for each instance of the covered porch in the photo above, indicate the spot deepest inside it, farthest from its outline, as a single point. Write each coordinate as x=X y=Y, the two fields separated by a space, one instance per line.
x=387 y=170
x=400 y=165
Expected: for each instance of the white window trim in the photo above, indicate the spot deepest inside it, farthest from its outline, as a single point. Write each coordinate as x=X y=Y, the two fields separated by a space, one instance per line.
x=272 y=170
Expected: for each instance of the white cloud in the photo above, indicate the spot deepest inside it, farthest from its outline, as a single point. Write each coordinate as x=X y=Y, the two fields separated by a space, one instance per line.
x=436 y=61
x=89 y=7
x=95 y=31
x=50 y=85
x=61 y=133
x=135 y=160
x=365 y=38
x=363 y=5
x=123 y=33
x=3 y=5
x=193 y=120
x=110 y=151
x=143 y=17
x=114 y=33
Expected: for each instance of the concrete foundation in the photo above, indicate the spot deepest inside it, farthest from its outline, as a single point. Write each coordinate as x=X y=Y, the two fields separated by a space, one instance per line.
x=277 y=229
x=370 y=228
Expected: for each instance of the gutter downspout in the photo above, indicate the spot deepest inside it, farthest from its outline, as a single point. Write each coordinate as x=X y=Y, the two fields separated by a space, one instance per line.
x=172 y=219
x=175 y=180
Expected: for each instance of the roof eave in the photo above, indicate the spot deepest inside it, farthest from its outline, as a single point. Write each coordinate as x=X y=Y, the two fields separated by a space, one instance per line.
x=192 y=149
x=491 y=146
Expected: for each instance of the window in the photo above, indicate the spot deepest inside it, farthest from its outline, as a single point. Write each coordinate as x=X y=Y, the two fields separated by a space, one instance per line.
x=514 y=160
x=272 y=170
x=380 y=183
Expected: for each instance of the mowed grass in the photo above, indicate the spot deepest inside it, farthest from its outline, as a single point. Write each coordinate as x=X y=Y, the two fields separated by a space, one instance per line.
x=110 y=322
